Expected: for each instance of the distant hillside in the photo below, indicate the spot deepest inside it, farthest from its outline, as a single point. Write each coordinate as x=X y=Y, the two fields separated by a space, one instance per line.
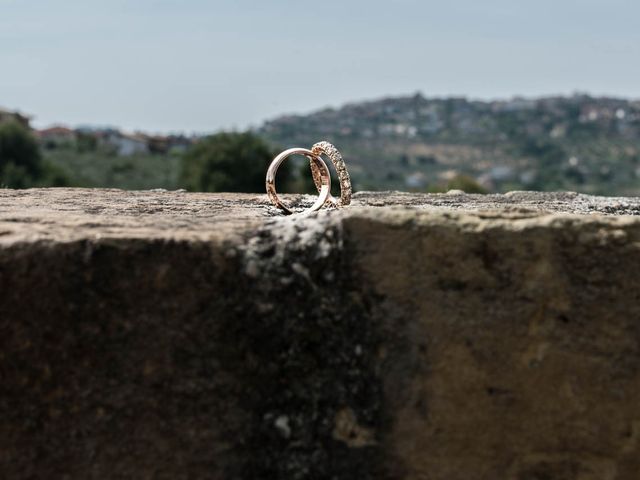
x=577 y=143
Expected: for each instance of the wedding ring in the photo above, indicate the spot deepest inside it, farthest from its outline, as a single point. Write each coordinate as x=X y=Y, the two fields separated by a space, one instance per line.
x=321 y=174
x=341 y=169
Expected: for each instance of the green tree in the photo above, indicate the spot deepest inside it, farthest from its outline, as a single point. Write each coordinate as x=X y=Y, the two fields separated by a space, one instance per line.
x=86 y=142
x=465 y=183
x=20 y=161
x=229 y=162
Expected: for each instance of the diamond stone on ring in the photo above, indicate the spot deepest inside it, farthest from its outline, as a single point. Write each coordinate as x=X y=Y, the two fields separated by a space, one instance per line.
x=341 y=169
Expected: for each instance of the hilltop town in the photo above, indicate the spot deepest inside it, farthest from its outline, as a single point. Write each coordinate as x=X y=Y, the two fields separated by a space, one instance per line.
x=556 y=143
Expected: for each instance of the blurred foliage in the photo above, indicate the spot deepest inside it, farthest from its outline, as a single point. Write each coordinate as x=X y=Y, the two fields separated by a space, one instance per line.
x=86 y=142
x=103 y=169
x=229 y=162
x=550 y=158
x=21 y=163
x=20 y=159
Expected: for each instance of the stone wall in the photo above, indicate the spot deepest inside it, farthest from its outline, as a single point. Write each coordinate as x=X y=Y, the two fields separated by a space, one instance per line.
x=443 y=337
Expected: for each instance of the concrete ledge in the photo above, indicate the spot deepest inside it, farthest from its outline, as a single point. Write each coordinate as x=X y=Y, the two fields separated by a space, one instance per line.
x=179 y=335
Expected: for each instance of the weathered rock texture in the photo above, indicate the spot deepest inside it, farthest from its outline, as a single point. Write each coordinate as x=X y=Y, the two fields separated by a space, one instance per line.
x=442 y=337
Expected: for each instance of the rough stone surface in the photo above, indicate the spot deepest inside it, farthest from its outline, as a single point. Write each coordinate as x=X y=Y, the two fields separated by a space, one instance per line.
x=443 y=337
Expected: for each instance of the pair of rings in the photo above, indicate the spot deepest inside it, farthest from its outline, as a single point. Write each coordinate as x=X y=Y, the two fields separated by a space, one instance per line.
x=321 y=176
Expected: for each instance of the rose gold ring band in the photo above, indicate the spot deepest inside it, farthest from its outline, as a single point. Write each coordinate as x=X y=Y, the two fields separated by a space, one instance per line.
x=324 y=178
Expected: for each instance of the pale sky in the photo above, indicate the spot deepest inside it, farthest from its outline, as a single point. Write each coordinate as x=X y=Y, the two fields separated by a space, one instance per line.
x=198 y=66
